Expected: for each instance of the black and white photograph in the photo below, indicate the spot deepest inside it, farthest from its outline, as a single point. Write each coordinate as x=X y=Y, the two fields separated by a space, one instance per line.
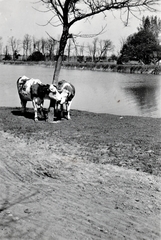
x=80 y=120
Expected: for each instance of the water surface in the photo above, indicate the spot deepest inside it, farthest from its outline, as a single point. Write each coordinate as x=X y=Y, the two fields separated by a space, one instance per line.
x=100 y=92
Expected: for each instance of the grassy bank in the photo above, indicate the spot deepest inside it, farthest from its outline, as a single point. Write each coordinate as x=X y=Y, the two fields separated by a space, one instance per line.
x=99 y=66
x=125 y=68
x=130 y=142
x=88 y=178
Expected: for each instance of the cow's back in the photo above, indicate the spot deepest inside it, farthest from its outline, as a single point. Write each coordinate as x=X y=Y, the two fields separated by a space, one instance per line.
x=24 y=85
x=40 y=90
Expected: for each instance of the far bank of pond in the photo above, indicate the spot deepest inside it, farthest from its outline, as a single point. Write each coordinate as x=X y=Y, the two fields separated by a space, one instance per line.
x=99 y=66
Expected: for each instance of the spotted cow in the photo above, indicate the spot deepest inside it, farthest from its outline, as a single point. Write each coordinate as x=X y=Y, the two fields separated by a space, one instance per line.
x=30 y=89
x=67 y=91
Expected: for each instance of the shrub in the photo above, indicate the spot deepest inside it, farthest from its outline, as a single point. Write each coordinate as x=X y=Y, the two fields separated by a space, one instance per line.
x=36 y=56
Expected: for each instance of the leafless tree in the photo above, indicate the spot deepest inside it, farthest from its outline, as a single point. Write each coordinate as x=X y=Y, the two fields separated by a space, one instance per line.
x=27 y=41
x=99 y=48
x=15 y=45
x=50 y=47
x=89 y=49
x=42 y=43
x=81 y=50
x=68 y=12
x=33 y=44
x=5 y=50
x=104 y=47
x=36 y=44
x=94 y=49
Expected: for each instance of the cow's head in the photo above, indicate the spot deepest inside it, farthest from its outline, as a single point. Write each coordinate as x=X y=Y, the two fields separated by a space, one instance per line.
x=54 y=94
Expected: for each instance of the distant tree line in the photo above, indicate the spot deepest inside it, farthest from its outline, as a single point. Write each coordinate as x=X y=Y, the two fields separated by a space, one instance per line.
x=47 y=49
x=31 y=49
x=145 y=45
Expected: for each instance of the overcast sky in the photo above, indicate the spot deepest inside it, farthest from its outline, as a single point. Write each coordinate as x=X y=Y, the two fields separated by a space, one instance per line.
x=18 y=17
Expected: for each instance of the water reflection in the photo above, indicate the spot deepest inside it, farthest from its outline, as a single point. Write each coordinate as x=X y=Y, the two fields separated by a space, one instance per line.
x=145 y=97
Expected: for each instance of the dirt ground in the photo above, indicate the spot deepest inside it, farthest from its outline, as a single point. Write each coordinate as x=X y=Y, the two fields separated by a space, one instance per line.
x=94 y=177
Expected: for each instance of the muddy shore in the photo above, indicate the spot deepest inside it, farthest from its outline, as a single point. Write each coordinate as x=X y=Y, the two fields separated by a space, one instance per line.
x=94 y=177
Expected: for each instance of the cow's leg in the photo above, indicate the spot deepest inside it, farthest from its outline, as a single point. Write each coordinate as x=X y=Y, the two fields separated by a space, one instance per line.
x=61 y=110
x=68 y=106
x=42 y=111
x=23 y=104
x=35 y=110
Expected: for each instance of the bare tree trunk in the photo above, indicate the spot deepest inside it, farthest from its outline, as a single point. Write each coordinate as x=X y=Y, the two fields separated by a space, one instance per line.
x=57 y=69
x=62 y=45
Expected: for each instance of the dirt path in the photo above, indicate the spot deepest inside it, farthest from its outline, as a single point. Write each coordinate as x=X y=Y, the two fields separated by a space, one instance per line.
x=73 y=200
x=50 y=192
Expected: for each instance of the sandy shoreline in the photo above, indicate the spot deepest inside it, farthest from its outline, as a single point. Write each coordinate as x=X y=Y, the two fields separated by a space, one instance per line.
x=94 y=177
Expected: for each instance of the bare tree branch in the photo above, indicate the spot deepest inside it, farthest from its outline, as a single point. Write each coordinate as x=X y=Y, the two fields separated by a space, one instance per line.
x=91 y=35
x=52 y=37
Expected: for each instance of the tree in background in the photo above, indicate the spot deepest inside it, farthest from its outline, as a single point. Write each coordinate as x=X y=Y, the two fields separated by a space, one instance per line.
x=94 y=49
x=81 y=50
x=15 y=45
x=42 y=43
x=104 y=47
x=90 y=53
x=36 y=56
x=151 y=24
x=7 y=56
x=50 y=47
x=68 y=12
x=144 y=45
x=99 y=48
x=37 y=45
x=27 y=42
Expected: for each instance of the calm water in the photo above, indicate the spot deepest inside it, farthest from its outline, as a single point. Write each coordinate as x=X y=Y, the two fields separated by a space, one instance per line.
x=100 y=92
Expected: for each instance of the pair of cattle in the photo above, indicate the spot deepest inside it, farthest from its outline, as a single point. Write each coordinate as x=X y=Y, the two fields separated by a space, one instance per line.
x=30 y=89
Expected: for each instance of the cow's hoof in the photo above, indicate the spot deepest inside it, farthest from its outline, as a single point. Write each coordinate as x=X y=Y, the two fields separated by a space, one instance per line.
x=36 y=120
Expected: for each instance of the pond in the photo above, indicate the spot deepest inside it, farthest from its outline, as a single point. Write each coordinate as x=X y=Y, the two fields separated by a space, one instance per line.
x=100 y=92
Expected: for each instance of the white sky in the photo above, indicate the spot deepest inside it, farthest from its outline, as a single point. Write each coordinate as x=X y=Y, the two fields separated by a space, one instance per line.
x=17 y=17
